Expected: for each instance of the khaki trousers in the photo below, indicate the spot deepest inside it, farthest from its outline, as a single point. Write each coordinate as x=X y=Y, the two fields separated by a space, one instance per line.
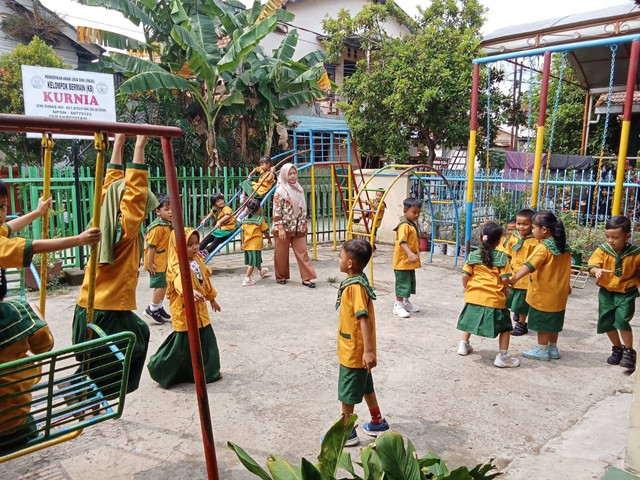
x=281 y=258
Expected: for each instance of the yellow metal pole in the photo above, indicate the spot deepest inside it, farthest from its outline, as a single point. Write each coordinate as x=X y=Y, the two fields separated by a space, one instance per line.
x=100 y=140
x=47 y=145
x=313 y=212
x=626 y=123
x=333 y=206
x=542 y=115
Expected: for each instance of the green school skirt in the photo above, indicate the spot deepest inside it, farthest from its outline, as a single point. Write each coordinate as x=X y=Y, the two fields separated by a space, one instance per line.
x=354 y=384
x=615 y=310
x=484 y=321
x=171 y=364
x=247 y=188
x=516 y=301
x=158 y=280
x=405 y=283
x=114 y=321
x=253 y=258
x=545 y=322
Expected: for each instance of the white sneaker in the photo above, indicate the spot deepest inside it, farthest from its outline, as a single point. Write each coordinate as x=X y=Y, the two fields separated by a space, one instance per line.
x=504 y=360
x=410 y=307
x=247 y=282
x=400 y=311
x=464 y=348
x=263 y=273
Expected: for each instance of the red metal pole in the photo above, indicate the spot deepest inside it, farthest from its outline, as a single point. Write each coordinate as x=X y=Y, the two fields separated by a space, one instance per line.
x=190 y=310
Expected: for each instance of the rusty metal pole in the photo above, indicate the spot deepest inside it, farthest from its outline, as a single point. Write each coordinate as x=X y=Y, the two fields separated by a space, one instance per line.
x=190 y=310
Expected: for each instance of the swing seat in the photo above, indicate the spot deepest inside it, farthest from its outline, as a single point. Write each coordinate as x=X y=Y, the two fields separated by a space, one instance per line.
x=65 y=398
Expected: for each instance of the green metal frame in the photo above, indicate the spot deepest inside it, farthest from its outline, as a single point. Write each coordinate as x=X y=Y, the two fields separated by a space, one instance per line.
x=65 y=399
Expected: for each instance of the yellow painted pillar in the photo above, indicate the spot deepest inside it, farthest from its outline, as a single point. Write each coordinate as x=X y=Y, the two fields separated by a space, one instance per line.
x=542 y=116
x=47 y=146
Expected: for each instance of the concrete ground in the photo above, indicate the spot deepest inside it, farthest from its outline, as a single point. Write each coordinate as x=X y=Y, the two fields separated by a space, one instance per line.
x=565 y=419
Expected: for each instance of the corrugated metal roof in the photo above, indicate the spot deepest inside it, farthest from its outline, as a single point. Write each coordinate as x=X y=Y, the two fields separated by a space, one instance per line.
x=305 y=122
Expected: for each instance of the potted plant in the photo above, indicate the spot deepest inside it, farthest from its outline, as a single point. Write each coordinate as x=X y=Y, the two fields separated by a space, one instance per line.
x=54 y=270
x=581 y=241
x=424 y=227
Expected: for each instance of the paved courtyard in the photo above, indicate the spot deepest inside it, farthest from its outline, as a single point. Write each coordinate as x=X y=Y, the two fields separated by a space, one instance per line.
x=278 y=393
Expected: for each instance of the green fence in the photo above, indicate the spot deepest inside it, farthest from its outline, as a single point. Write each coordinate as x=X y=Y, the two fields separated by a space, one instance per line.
x=72 y=207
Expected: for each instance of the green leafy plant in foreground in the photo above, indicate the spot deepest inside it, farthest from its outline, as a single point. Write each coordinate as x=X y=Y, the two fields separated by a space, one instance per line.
x=388 y=458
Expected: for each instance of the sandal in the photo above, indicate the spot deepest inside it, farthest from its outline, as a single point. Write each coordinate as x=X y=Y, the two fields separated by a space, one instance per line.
x=281 y=282
x=310 y=284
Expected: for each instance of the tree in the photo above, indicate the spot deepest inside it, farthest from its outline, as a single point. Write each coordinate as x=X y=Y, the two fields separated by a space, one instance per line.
x=199 y=49
x=18 y=149
x=413 y=89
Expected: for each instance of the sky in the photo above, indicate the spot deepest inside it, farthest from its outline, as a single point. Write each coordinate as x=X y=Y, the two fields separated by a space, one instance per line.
x=501 y=13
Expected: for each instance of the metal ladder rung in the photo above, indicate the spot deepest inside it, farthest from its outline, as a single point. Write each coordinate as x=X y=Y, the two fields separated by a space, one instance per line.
x=372 y=190
x=442 y=240
x=364 y=210
x=360 y=234
x=442 y=202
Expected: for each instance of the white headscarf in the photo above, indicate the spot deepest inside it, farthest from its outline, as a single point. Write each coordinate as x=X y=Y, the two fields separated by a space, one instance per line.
x=294 y=193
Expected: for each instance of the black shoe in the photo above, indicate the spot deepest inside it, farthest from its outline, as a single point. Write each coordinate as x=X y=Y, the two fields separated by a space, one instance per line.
x=616 y=355
x=628 y=359
x=154 y=315
x=516 y=317
x=163 y=313
x=519 y=329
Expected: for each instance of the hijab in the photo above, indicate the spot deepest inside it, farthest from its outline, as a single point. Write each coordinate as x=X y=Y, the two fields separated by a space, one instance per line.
x=173 y=264
x=294 y=193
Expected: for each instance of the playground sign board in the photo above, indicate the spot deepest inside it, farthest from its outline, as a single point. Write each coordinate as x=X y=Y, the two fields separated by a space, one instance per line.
x=68 y=94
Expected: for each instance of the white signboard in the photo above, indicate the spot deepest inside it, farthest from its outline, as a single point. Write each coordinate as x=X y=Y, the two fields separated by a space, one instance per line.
x=70 y=94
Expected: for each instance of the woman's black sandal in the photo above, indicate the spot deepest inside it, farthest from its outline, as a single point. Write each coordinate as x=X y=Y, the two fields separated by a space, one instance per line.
x=310 y=284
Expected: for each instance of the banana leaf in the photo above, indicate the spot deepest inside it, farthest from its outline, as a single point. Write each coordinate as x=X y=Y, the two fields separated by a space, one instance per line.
x=245 y=43
x=135 y=64
x=288 y=46
x=197 y=56
x=178 y=14
x=135 y=11
x=145 y=81
x=106 y=38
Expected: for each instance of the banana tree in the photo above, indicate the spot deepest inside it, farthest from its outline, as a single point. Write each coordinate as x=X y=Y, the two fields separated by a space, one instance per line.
x=192 y=47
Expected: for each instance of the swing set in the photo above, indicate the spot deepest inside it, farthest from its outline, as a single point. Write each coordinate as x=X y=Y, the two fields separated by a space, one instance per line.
x=540 y=171
x=63 y=383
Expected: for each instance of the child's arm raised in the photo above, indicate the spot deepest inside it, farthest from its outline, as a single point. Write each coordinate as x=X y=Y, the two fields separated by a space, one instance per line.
x=19 y=223
x=88 y=237
x=134 y=199
x=368 y=358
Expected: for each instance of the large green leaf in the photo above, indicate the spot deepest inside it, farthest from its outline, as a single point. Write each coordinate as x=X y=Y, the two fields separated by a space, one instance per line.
x=110 y=39
x=135 y=64
x=294 y=99
x=225 y=12
x=346 y=464
x=284 y=16
x=397 y=463
x=234 y=98
x=135 y=11
x=333 y=444
x=204 y=29
x=484 y=472
x=256 y=8
x=433 y=464
x=244 y=43
x=461 y=473
x=288 y=46
x=197 y=56
x=309 y=471
x=248 y=462
x=313 y=58
x=283 y=470
x=145 y=81
x=371 y=464
x=178 y=14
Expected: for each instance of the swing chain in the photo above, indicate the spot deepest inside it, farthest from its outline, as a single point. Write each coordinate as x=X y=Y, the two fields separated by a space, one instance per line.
x=529 y=119
x=488 y=138
x=596 y=188
x=553 y=125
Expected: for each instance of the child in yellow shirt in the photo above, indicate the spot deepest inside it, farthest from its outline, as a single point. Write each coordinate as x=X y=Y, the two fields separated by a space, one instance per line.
x=519 y=246
x=171 y=364
x=254 y=227
x=406 y=258
x=126 y=201
x=504 y=239
x=155 y=258
x=549 y=266
x=357 y=338
x=225 y=225
x=616 y=266
x=485 y=285
x=265 y=182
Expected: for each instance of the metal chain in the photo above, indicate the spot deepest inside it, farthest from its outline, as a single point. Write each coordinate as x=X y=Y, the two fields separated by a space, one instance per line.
x=529 y=119
x=553 y=126
x=596 y=188
x=488 y=137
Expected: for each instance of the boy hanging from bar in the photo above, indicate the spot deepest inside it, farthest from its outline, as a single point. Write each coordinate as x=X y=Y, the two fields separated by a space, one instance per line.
x=126 y=201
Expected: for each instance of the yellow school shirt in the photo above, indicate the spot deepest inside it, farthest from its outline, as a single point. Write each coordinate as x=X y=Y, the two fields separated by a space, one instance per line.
x=158 y=237
x=230 y=224
x=551 y=274
x=373 y=205
x=116 y=283
x=502 y=244
x=15 y=252
x=176 y=301
x=252 y=234
x=406 y=233
x=355 y=302
x=519 y=249
x=5 y=230
x=263 y=189
x=625 y=267
x=40 y=341
x=485 y=287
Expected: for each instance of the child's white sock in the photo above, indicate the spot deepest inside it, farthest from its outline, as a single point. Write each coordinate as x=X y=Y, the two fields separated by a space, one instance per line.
x=544 y=348
x=399 y=304
x=247 y=278
x=155 y=306
x=502 y=352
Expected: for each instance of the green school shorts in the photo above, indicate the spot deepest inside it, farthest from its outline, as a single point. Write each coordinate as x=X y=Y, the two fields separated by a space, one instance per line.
x=517 y=301
x=546 y=322
x=615 y=310
x=405 y=283
x=354 y=384
x=158 y=280
x=253 y=258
